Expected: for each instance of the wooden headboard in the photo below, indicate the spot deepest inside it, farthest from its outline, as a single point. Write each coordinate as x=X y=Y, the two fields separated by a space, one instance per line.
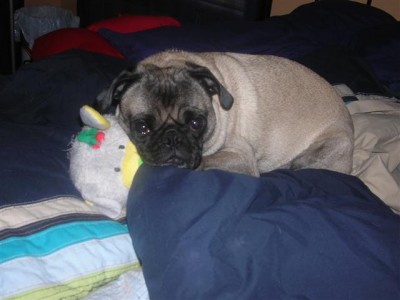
x=195 y=11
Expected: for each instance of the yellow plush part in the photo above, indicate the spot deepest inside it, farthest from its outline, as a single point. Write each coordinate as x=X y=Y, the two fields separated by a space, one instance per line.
x=130 y=163
x=93 y=118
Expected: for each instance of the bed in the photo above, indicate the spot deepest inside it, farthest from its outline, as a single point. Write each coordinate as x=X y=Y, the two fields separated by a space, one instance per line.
x=306 y=234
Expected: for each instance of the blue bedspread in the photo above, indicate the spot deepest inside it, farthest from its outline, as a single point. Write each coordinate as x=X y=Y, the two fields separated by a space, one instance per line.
x=308 y=234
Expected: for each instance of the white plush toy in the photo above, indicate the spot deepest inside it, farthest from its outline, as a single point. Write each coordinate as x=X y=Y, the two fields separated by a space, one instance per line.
x=103 y=162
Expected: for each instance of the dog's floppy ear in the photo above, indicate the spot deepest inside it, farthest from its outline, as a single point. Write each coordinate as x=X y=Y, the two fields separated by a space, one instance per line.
x=112 y=96
x=211 y=84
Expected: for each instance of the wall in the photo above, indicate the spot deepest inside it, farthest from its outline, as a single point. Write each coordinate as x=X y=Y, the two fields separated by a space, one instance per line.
x=281 y=7
x=67 y=4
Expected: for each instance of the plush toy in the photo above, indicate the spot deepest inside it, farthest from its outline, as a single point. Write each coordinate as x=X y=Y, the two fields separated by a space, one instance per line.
x=103 y=162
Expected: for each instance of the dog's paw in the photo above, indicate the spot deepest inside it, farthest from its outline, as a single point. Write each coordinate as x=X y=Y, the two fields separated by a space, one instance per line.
x=231 y=161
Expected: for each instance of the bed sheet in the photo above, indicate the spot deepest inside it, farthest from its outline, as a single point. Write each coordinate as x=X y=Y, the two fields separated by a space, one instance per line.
x=377 y=146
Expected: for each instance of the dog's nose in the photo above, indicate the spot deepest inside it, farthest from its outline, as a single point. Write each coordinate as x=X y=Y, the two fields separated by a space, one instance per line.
x=172 y=138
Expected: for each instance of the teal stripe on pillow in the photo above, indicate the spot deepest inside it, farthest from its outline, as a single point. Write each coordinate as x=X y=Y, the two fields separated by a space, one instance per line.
x=63 y=267
x=57 y=237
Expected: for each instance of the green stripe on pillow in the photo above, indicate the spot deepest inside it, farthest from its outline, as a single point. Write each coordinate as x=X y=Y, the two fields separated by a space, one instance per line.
x=79 y=287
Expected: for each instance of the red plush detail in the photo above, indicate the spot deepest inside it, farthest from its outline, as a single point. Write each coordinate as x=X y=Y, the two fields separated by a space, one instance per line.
x=132 y=23
x=71 y=38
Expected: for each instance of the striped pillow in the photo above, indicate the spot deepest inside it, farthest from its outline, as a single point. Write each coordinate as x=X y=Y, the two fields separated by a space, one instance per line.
x=60 y=248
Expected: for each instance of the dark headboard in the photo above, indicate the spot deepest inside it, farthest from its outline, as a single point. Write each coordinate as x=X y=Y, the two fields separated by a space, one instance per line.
x=194 y=11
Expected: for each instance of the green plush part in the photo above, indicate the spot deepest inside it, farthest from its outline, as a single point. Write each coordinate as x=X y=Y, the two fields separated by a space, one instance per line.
x=88 y=136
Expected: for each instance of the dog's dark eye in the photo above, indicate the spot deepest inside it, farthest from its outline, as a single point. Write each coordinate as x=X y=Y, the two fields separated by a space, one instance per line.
x=142 y=127
x=197 y=123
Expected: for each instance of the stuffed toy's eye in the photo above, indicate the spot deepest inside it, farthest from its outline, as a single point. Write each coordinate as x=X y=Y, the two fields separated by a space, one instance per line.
x=197 y=123
x=142 y=127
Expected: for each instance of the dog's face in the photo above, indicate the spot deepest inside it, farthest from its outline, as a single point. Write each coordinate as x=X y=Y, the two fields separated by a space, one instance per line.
x=166 y=112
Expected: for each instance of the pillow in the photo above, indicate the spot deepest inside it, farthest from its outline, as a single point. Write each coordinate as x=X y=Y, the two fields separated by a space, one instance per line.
x=60 y=248
x=267 y=37
x=71 y=38
x=136 y=46
x=52 y=90
x=334 y=19
x=380 y=47
x=290 y=36
x=129 y=23
x=339 y=65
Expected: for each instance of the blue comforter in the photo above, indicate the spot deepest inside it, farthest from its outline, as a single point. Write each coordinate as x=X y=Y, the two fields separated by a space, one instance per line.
x=308 y=234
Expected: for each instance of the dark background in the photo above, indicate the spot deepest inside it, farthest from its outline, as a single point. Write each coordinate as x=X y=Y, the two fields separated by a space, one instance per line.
x=90 y=11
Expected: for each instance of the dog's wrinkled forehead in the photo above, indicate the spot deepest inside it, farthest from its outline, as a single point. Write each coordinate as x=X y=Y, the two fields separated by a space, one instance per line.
x=166 y=90
x=148 y=86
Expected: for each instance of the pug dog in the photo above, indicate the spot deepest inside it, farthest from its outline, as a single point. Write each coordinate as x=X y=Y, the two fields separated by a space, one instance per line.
x=242 y=113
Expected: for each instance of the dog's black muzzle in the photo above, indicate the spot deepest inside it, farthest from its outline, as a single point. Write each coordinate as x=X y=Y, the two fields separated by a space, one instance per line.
x=179 y=150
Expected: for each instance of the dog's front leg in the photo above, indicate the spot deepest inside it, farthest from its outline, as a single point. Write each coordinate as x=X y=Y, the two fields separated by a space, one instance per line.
x=236 y=156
